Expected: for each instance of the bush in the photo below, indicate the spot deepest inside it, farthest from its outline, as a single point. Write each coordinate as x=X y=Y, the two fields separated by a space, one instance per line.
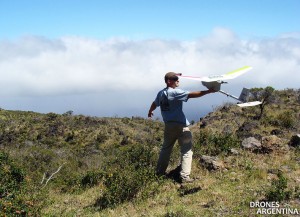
x=286 y=119
x=92 y=178
x=215 y=143
x=38 y=159
x=278 y=191
x=131 y=177
x=181 y=212
x=14 y=195
x=126 y=185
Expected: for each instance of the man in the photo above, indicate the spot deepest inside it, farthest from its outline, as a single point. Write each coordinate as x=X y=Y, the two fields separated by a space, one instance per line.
x=176 y=125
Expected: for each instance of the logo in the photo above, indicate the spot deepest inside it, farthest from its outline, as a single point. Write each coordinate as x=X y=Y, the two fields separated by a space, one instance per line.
x=272 y=208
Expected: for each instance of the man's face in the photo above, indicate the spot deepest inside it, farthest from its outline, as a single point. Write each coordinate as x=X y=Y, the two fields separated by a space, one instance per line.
x=173 y=83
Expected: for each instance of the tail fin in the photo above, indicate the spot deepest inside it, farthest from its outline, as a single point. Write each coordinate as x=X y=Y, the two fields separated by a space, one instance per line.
x=244 y=95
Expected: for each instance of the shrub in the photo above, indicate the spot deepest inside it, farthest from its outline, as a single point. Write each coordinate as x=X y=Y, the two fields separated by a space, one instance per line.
x=265 y=95
x=92 y=178
x=68 y=113
x=131 y=177
x=179 y=213
x=215 y=143
x=286 y=119
x=15 y=197
x=278 y=191
x=126 y=185
x=38 y=159
x=102 y=137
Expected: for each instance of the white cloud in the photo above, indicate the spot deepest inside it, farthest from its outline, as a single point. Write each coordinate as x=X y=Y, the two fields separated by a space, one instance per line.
x=39 y=66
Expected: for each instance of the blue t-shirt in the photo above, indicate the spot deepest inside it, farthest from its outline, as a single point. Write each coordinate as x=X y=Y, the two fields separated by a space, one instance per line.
x=170 y=102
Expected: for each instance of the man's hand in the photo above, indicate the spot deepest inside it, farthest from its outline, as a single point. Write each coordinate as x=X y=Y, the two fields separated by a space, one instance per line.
x=150 y=114
x=197 y=94
x=212 y=91
x=152 y=108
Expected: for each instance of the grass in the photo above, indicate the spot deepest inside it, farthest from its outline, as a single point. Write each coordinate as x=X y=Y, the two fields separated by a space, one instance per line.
x=108 y=164
x=227 y=193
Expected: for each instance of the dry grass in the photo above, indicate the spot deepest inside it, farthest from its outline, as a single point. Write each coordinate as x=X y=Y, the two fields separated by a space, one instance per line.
x=106 y=145
x=220 y=193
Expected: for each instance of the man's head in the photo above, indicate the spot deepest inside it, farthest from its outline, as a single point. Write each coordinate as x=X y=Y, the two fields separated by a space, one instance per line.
x=171 y=79
x=171 y=76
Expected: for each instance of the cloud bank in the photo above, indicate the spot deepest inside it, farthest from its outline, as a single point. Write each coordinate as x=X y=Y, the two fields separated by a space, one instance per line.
x=34 y=66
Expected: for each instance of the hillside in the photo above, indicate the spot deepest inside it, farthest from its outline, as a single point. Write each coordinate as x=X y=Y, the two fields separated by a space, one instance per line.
x=75 y=165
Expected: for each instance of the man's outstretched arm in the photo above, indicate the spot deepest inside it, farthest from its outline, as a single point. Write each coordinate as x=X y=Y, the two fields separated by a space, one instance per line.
x=152 y=108
x=196 y=94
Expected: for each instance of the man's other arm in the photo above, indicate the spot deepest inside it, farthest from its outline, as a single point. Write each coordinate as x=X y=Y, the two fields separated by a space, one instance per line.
x=152 y=108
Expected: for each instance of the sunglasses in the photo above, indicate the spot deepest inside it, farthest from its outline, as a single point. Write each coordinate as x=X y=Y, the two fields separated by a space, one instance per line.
x=174 y=79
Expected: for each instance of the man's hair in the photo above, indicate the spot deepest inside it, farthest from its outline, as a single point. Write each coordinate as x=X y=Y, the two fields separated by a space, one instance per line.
x=171 y=76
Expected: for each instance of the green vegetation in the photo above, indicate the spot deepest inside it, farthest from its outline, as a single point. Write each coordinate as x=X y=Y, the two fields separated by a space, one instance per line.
x=15 y=189
x=133 y=179
x=264 y=95
x=278 y=190
x=215 y=143
x=75 y=165
x=287 y=119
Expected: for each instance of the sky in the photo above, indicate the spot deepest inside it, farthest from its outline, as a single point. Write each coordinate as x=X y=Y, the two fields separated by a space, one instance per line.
x=109 y=57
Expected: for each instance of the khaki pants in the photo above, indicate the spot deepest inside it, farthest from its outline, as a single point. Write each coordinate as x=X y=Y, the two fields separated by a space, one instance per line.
x=173 y=132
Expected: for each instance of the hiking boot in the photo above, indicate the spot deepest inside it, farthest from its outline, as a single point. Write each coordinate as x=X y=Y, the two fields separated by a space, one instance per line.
x=186 y=180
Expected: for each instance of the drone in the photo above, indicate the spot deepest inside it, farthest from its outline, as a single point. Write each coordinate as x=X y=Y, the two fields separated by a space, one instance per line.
x=215 y=81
